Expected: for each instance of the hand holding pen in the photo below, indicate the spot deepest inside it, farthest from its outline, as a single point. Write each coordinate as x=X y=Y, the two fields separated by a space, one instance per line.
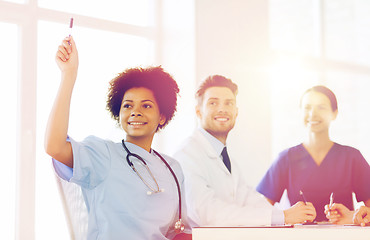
x=331 y=200
x=67 y=55
x=301 y=212
x=337 y=213
x=362 y=216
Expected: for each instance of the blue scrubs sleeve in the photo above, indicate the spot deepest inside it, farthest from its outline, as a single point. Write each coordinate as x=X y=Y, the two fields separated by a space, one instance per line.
x=91 y=163
x=63 y=171
x=361 y=177
x=275 y=180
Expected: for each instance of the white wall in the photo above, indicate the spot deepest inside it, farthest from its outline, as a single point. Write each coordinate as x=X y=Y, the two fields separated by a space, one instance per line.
x=177 y=56
x=232 y=40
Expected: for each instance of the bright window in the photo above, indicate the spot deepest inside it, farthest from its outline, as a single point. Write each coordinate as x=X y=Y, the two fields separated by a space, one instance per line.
x=292 y=27
x=288 y=80
x=102 y=55
x=8 y=128
x=347 y=24
x=138 y=12
x=320 y=42
x=111 y=36
x=16 y=1
x=351 y=126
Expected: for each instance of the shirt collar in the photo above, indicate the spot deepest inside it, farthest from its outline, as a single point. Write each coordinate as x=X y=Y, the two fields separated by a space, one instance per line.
x=133 y=148
x=216 y=144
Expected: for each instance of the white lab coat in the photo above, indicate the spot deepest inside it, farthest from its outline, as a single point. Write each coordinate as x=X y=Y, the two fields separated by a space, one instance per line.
x=215 y=197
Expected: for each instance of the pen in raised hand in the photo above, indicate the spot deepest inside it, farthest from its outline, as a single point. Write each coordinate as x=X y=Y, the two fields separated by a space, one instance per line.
x=70 y=26
x=70 y=29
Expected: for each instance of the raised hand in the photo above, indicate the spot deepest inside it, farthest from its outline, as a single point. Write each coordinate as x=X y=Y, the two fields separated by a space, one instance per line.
x=67 y=56
x=56 y=130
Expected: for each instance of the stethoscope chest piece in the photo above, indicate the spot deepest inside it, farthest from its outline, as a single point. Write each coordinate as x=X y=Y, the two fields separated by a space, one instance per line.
x=151 y=192
x=179 y=226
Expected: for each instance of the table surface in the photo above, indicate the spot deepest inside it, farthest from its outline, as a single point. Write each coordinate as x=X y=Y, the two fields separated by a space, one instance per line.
x=307 y=232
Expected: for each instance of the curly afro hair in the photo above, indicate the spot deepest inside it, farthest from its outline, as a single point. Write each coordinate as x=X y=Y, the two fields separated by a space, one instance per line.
x=161 y=83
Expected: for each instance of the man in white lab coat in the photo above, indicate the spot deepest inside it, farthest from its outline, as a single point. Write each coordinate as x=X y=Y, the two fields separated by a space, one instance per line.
x=216 y=194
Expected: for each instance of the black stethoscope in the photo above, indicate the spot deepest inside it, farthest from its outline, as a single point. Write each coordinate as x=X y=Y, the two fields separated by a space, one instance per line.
x=179 y=226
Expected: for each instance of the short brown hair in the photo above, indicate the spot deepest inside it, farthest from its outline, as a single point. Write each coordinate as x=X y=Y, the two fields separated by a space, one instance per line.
x=215 y=81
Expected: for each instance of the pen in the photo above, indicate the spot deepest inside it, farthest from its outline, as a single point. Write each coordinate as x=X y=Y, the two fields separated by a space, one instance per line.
x=303 y=197
x=70 y=29
x=331 y=199
x=70 y=26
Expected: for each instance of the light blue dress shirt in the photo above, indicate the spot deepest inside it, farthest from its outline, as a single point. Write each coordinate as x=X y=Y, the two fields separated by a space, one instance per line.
x=116 y=198
x=216 y=144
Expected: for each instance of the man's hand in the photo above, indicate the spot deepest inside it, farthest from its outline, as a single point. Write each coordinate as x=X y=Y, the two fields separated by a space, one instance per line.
x=300 y=213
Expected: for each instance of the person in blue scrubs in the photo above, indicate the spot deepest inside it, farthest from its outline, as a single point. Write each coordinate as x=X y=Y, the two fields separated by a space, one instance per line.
x=318 y=166
x=125 y=198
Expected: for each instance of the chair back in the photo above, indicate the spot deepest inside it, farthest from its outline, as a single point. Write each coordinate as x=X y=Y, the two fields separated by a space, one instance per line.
x=74 y=208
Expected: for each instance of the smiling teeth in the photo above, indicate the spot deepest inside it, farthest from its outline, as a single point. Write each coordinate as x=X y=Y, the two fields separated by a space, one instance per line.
x=136 y=123
x=222 y=119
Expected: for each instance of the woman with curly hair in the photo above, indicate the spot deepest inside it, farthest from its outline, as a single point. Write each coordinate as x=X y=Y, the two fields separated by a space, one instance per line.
x=130 y=190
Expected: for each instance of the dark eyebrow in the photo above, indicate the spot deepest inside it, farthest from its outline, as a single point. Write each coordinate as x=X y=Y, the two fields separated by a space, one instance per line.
x=147 y=100
x=227 y=100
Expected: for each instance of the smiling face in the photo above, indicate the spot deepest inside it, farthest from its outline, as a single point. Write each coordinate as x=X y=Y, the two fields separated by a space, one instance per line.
x=139 y=115
x=217 y=112
x=317 y=112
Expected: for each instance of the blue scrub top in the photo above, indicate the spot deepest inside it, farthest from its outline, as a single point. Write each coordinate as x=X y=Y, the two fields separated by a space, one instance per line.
x=343 y=171
x=116 y=198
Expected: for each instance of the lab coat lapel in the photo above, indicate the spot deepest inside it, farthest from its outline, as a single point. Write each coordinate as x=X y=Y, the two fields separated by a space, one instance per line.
x=210 y=151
